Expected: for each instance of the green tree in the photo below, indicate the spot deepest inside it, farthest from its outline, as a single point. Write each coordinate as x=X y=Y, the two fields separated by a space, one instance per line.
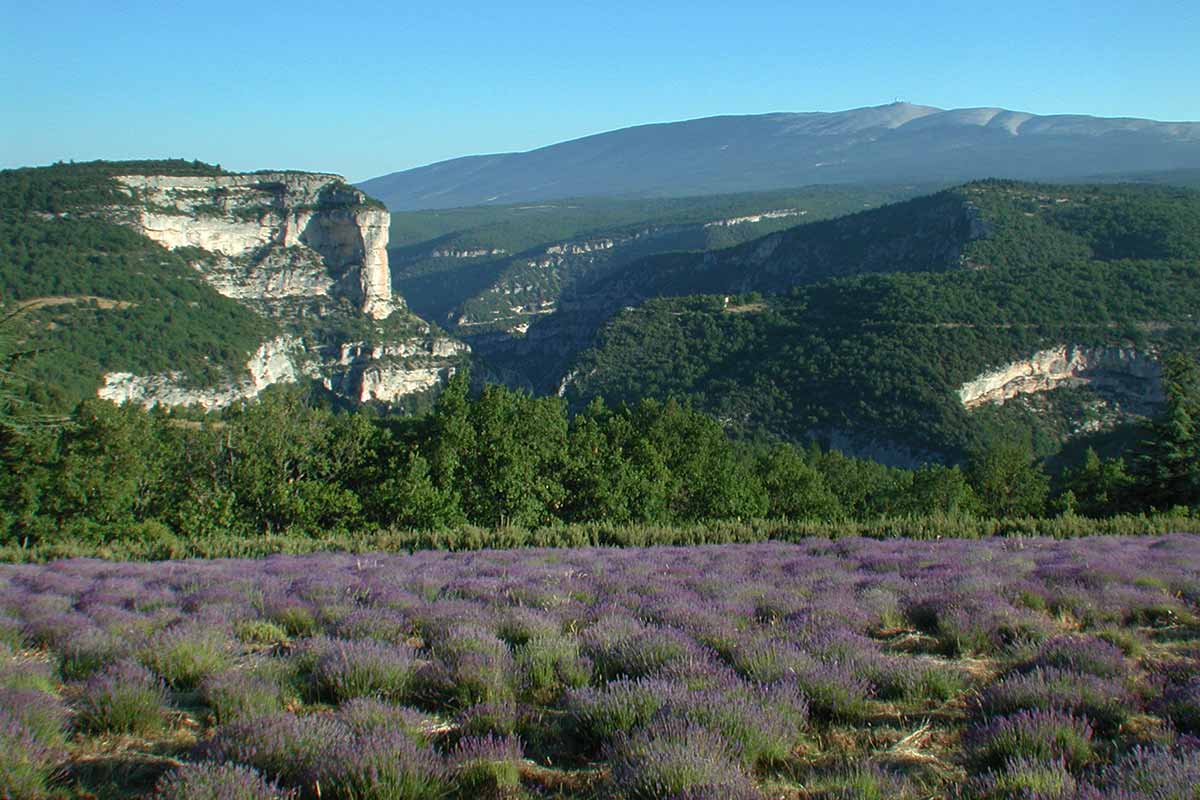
x=706 y=479
x=1098 y=486
x=934 y=488
x=795 y=488
x=1168 y=468
x=289 y=466
x=1008 y=482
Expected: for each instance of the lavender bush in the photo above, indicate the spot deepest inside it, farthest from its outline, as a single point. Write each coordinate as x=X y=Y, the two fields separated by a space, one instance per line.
x=672 y=757
x=185 y=655
x=1034 y=736
x=43 y=715
x=235 y=694
x=486 y=765
x=368 y=716
x=1106 y=703
x=383 y=766
x=1037 y=666
x=27 y=762
x=283 y=747
x=210 y=781
x=123 y=698
x=365 y=668
x=1024 y=779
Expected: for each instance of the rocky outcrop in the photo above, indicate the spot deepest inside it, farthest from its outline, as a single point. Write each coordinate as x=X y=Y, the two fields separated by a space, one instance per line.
x=274 y=362
x=273 y=234
x=386 y=373
x=782 y=213
x=307 y=251
x=1123 y=372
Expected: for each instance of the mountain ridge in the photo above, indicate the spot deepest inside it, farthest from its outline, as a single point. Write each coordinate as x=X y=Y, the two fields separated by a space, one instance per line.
x=897 y=142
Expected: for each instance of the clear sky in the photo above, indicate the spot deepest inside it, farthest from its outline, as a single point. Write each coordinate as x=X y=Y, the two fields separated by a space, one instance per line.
x=365 y=88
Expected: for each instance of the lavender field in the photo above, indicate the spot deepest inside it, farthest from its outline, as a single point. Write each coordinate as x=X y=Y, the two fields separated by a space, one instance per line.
x=1006 y=668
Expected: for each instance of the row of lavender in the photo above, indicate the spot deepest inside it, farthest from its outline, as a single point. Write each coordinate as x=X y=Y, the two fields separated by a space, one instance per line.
x=1030 y=668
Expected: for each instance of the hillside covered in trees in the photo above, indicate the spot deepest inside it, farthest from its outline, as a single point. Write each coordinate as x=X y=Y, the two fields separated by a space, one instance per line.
x=96 y=295
x=956 y=284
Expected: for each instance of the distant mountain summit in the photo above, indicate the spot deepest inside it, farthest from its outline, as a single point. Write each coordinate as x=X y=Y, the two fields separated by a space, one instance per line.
x=882 y=144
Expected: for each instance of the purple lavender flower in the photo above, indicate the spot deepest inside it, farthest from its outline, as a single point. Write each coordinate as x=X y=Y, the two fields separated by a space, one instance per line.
x=283 y=747
x=763 y=723
x=186 y=654
x=1152 y=773
x=1181 y=704
x=218 y=782
x=479 y=664
x=383 y=625
x=235 y=694
x=44 y=715
x=365 y=668
x=86 y=650
x=1026 y=779
x=123 y=698
x=1034 y=735
x=671 y=757
x=27 y=762
x=367 y=716
x=620 y=706
x=388 y=764
x=1084 y=655
x=488 y=764
x=1105 y=703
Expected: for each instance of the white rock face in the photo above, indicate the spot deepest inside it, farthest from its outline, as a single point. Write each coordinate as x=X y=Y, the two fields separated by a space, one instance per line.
x=294 y=247
x=389 y=383
x=782 y=213
x=280 y=233
x=273 y=362
x=1122 y=370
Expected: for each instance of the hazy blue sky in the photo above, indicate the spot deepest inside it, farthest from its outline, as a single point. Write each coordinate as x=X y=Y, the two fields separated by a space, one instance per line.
x=365 y=88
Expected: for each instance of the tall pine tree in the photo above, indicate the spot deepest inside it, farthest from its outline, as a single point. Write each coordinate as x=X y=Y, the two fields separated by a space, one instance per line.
x=1169 y=466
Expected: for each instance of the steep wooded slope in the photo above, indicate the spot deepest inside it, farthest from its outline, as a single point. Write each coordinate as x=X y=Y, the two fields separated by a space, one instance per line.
x=998 y=292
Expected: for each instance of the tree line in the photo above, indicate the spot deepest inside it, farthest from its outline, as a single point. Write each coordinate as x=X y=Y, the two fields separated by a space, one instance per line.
x=500 y=457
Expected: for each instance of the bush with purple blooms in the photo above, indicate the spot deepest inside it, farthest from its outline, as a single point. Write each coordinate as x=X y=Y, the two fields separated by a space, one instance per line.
x=863 y=782
x=235 y=694
x=27 y=762
x=1181 y=705
x=673 y=756
x=486 y=766
x=123 y=698
x=185 y=655
x=827 y=669
x=1083 y=654
x=1106 y=703
x=620 y=706
x=387 y=765
x=1033 y=736
x=284 y=747
x=1025 y=779
x=1151 y=773
x=369 y=716
x=209 y=781
x=43 y=714
x=365 y=668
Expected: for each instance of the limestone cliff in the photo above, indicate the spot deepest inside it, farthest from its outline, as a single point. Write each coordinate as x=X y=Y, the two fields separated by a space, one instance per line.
x=306 y=250
x=1129 y=376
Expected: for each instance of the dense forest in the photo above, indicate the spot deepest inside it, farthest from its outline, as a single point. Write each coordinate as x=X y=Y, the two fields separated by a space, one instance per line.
x=501 y=458
x=882 y=355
